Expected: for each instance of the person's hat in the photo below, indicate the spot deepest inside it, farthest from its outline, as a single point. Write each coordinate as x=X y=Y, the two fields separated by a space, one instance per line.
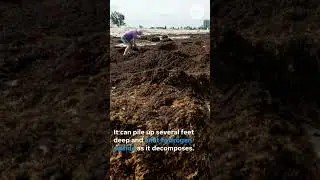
x=139 y=31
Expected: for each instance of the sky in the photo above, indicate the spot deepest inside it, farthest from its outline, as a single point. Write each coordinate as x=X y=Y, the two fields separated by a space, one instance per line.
x=170 y=13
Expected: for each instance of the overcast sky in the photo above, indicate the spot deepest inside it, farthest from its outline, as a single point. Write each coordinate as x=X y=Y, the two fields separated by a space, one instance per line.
x=163 y=12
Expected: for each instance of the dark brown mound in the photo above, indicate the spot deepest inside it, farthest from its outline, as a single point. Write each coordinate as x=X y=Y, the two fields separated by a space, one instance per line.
x=164 y=36
x=265 y=71
x=166 y=40
x=267 y=19
x=161 y=88
x=152 y=38
x=288 y=68
x=53 y=111
x=167 y=46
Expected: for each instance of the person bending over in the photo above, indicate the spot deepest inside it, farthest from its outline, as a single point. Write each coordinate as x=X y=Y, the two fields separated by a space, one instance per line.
x=129 y=39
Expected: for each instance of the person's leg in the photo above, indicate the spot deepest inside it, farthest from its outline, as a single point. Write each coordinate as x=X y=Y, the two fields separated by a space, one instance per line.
x=128 y=45
x=127 y=50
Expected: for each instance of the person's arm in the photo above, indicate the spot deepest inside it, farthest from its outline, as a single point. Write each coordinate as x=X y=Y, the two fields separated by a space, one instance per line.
x=134 y=42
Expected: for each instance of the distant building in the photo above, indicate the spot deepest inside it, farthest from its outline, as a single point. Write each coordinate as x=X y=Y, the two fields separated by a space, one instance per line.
x=206 y=24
